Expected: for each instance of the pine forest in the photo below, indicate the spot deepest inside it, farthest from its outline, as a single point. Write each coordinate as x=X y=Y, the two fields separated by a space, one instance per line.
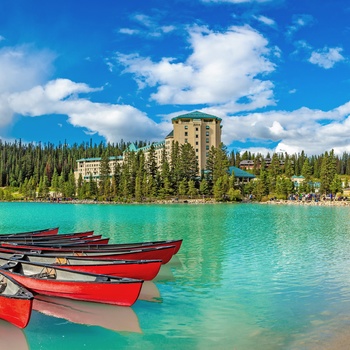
x=46 y=172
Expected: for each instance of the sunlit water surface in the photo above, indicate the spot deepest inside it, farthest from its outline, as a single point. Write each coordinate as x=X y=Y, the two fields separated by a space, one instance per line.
x=248 y=276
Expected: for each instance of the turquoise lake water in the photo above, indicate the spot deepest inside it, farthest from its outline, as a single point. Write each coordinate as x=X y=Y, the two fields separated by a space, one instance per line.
x=248 y=276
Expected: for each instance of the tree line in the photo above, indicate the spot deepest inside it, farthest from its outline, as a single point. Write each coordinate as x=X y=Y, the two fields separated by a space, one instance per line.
x=31 y=171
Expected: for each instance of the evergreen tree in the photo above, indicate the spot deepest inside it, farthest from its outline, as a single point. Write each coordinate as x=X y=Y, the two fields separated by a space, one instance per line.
x=55 y=183
x=306 y=170
x=336 y=184
x=218 y=189
x=182 y=190
x=104 y=181
x=217 y=162
x=203 y=187
x=192 y=191
x=152 y=167
x=328 y=171
x=188 y=165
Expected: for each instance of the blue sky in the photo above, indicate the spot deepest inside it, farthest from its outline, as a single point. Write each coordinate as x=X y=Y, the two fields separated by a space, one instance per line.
x=275 y=71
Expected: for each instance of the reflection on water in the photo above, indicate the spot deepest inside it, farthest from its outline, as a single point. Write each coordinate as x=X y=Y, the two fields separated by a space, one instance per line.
x=150 y=292
x=12 y=337
x=116 y=318
x=165 y=273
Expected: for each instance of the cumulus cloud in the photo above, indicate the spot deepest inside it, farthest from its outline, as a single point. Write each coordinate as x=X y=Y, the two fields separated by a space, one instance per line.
x=313 y=131
x=22 y=67
x=327 y=57
x=61 y=96
x=25 y=89
x=148 y=26
x=223 y=67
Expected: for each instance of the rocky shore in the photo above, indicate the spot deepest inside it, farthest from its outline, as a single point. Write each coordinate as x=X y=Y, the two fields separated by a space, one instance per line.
x=337 y=203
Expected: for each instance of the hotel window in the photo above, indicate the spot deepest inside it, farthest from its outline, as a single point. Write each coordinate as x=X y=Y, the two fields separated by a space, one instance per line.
x=207 y=147
x=207 y=127
x=186 y=133
x=186 y=127
x=207 y=140
x=207 y=133
x=186 y=141
x=196 y=143
x=207 y=154
x=196 y=129
x=196 y=136
x=197 y=150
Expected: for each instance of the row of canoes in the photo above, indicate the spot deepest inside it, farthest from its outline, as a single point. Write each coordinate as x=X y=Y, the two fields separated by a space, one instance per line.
x=80 y=266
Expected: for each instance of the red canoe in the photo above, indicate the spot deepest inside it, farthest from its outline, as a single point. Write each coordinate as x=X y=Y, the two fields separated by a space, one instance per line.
x=137 y=245
x=43 y=232
x=94 y=240
x=153 y=253
x=54 y=244
x=53 y=281
x=104 y=247
x=138 y=269
x=32 y=239
x=15 y=302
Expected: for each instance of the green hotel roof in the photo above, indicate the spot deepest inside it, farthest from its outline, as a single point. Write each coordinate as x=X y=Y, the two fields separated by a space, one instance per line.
x=196 y=115
x=240 y=173
x=97 y=158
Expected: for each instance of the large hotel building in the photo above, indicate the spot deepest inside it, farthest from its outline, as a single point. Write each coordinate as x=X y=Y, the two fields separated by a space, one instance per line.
x=200 y=130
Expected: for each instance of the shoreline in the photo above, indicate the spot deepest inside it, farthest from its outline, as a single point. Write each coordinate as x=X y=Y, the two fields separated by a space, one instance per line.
x=328 y=203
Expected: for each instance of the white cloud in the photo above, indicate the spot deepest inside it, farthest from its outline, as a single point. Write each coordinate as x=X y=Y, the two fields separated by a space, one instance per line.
x=299 y=21
x=327 y=57
x=26 y=90
x=223 y=68
x=128 y=31
x=22 y=67
x=113 y=122
x=149 y=27
x=268 y=21
x=313 y=131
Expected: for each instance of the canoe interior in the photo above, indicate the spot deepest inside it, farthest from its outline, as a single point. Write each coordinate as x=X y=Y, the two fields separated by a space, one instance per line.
x=11 y=289
x=44 y=271
x=62 y=260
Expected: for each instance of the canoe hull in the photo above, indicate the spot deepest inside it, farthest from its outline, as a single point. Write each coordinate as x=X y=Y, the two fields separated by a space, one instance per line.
x=74 y=285
x=43 y=238
x=147 y=270
x=15 y=302
x=138 y=269
x=161 y=253
x=16 y=311
x=127 y=294
x=38 y=233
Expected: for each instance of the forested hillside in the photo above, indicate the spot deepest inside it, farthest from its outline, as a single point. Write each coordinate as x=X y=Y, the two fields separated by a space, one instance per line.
x=30 y=171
